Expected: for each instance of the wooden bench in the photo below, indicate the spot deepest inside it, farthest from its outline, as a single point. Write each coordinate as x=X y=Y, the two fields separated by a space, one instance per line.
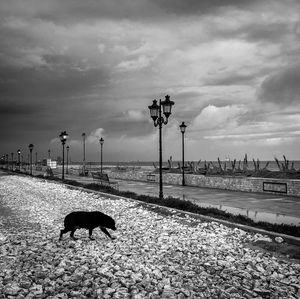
x=151 y=177
x=104 y=179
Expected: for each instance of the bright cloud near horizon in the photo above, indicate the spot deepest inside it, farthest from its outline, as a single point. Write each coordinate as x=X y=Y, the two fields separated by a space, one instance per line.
x=232 y=67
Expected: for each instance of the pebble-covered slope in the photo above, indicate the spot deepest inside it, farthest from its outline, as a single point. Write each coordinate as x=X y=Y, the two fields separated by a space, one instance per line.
x=153 y=256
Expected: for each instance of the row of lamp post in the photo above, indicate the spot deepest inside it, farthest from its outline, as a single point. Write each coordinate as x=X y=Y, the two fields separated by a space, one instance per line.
x=5 y=159
x=63 y=138
x=31 y=146
x=156 y=111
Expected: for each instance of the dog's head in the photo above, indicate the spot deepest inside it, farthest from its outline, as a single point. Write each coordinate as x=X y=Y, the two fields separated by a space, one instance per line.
x=111 y=224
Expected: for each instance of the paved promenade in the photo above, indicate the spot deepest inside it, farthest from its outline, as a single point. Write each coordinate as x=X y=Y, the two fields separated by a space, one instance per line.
x=259 y=207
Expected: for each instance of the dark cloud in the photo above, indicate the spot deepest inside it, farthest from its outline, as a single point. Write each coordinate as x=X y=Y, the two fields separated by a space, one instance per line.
x=8 y=109
x=188 y=94
x=196 y=6
x=282 y=88
x=274 y=31
x=229 y=78
x=128 y=129
x=83 y=65
x=46 y=83
x=37 y=103
x=260 y=31
x=77 y=10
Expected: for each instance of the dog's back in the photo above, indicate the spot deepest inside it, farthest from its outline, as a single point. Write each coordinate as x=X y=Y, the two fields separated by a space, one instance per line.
x=78 y=219
x=89 y=220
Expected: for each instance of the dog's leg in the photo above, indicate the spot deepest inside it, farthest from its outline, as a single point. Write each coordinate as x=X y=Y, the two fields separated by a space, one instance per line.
x=62 y=231
x=72 y=234
x=90 y=234
x=106 y=232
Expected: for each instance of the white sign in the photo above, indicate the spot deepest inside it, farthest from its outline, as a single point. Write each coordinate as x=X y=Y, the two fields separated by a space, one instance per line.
x=51 y=164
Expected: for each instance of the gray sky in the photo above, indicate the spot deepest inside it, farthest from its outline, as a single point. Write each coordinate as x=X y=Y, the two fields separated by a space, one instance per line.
x=232 y=67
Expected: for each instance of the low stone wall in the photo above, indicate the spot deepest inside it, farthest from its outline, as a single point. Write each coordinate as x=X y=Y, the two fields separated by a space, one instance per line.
x=247 y=184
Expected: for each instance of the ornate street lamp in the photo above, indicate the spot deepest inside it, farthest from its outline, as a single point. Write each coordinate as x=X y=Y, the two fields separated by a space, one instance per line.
x=182 y=129
x=63 y=138
x=67 y=170
x=158 y=120
x=83 y=162
x=49 y=152
x=101 y=141
x=30 y=146
x=19 y=163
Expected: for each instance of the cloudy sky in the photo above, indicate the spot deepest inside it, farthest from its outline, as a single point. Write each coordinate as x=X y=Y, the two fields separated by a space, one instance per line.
x=232 y=67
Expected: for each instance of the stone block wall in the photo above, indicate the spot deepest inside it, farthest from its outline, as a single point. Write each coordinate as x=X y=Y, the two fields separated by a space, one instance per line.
x=261 y=185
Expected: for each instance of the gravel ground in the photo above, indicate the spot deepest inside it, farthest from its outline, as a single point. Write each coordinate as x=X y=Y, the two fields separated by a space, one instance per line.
x=153 y=255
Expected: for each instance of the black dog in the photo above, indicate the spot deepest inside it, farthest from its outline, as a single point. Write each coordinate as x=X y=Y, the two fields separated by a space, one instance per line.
x=88 y=220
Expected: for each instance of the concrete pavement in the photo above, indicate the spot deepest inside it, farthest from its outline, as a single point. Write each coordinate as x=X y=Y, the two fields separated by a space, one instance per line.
x=259 y=207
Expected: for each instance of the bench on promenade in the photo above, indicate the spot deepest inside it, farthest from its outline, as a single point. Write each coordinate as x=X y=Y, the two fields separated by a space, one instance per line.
x=25 y=170
x=104 y=179
x=83 y=173
x=151 y=177
x=49 y=172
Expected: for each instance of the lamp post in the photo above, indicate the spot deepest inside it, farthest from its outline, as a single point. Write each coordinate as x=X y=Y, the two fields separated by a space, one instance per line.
x=83 y=162
x=7 y=161
x=158 y=120
x=63 y=138
x=101 y=141
x=30 y=146
x=12 y=161
x=182 y=129
x=19 y=163
x=67 y=170
x=36 y=159
x=49 y=157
